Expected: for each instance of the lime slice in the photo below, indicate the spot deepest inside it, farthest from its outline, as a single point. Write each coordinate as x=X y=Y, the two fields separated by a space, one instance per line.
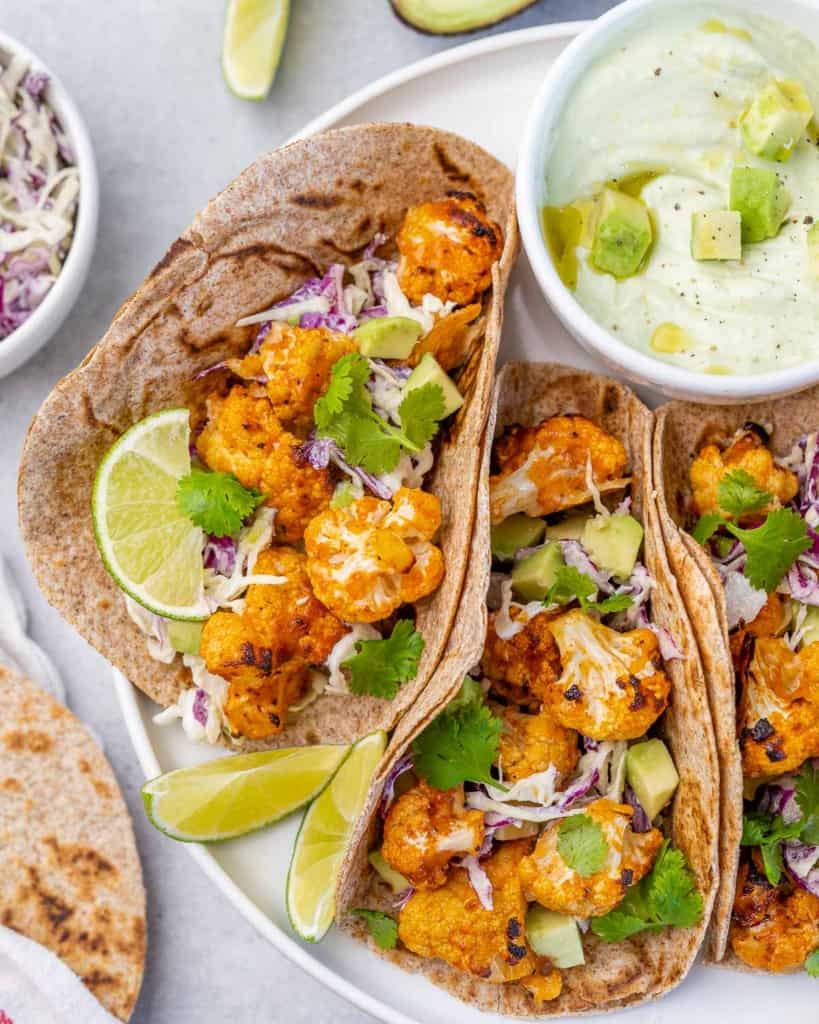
x=252 y=45
x=323 y=837
x=234 y=795
x=149 y=546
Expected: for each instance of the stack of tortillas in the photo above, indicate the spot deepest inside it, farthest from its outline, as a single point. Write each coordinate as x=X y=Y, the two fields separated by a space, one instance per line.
x=70 y=877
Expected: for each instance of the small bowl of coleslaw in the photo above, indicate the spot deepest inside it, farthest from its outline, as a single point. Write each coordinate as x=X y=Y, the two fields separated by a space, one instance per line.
x=49 y=203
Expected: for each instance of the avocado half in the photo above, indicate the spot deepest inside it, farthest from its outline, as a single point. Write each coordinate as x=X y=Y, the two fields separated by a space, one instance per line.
x=446 y=17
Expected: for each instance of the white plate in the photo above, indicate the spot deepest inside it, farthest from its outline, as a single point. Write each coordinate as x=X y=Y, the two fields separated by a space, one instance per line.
x=481 y=90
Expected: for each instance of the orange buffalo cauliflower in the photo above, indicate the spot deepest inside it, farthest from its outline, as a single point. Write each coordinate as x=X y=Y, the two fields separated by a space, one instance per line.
x=450 y=338
x=447 y=249
x=543 y=988
x=295 y=364
x=530 y=743
x=773 y=928
x=450 y=923
x=425 y=829
x=779 y=714
x=258 y=710
x=369 y=558
x=244 y=437
x=525 y=668
x=749 y=452
x=543 y=469
x=611 y=687
x=549 y=880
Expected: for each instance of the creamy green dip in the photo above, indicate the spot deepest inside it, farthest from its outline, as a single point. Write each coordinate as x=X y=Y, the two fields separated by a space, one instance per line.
x=662 y=109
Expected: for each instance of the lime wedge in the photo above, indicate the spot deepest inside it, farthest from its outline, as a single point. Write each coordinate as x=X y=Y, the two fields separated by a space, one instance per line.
x=149 y=546
x=234 y=795
x=252 y=45
x=323 y=837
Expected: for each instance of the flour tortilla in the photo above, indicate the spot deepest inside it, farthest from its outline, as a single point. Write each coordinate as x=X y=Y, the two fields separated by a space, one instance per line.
x=682 y=428
x=70 y=878
x=646 y=966
x=285 y=218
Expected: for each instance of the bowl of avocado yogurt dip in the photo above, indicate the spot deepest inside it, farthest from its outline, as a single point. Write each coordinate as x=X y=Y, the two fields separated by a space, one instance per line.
x=668 y=193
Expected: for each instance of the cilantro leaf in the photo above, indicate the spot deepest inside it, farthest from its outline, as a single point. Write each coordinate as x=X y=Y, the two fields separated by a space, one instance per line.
x=767 y=831
x=618 y=925
x=807 y=796
x=459 y=745
x=773 y=862
x=350 y=373
x=772 y=547
x=382 y=927
x=216 y=501
x=379 y=667
x=707 y=526
x=739 y=495
x=615 y=603
x=812 y=964
x=581 y=844
x=570 y=584
x=420 y=412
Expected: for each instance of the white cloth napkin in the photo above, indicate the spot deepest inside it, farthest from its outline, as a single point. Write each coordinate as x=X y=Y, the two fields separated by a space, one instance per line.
x=36 y=987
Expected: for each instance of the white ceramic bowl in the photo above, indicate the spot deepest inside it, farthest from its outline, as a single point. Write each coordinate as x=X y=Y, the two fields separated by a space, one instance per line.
x=49 y=315
x=545 y=114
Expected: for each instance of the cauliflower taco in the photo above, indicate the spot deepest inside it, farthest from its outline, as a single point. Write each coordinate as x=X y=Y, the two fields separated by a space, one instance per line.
x=544 y=841
x=739 y=508
x=265 y=474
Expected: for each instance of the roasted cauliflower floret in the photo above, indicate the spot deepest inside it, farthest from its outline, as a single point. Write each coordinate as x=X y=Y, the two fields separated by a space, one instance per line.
x=450 y=923
x=525 y=668
x=531 y=743
x=425 y=829
x=543 y=469
x=549 y=880
x=447 y=248
x=450 y=338
x=773 y=928
x=243 y=436
x=778 y=715
x=369 y=558
x=747 y=451
x=611 y=687
x=543 y=988
x=295 y=364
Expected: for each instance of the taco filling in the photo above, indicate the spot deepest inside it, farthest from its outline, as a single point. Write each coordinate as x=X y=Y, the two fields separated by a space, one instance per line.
x=307 y=480
x=530 y=819
x=758 y=519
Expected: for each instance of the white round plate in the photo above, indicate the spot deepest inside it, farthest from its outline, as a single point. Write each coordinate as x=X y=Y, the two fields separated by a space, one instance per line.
x=481 y=90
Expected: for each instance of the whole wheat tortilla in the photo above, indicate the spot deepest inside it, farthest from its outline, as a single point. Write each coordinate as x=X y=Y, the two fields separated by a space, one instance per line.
x=682 y=428
x=70 y=877
x=648 y=965
x=285 y=218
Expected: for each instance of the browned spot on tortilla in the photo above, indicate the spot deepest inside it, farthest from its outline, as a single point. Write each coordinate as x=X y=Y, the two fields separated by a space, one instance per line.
x=316 y=201
x=82 y=866
x=204 y=305
x=11 y=785
x=97 y=980
x=176 y=249
x=33 y=742
x=449 y=167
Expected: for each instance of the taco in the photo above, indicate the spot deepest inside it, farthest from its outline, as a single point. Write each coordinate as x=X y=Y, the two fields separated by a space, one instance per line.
x=544 y=840
x=71 y=879
x=322 y=338
x=739 y=507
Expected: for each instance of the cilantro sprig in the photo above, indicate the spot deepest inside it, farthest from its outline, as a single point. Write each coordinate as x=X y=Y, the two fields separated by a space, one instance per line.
x=216 y=501
x=345 y=413
x=773 y=547
x=667 y=896
x=379 y=667
x=572 y=585
x=382 y=927
x=582 y=845
x=460 y=744
x=738 y=494
x=812 y=964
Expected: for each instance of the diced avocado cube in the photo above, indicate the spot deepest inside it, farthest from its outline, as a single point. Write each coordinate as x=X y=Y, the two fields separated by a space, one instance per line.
x=588 y=209
x=554 y=936
x=570 y=528
x=613 y=543
x=670 y=338
x=394 y=879
x=622 y=234
x=716 y=235
x=813 y=249
x=387 y=337
x=534 y=575
x=516 y=532
x=810 y=627
x=185 y=637
x=776 y=120
x=761 y=199
x=651 y=774
x=429 y=371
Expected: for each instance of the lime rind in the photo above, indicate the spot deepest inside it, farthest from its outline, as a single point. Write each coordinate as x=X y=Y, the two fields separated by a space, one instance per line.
x=252 y=46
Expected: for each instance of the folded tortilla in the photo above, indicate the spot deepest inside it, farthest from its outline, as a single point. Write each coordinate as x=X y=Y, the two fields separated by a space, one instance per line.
x=284 y=219
x=648 y=965
x=682 y=428
x=70 y=876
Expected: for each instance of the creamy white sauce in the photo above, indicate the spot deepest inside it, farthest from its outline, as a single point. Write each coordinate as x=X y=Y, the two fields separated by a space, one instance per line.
x=669 y=98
